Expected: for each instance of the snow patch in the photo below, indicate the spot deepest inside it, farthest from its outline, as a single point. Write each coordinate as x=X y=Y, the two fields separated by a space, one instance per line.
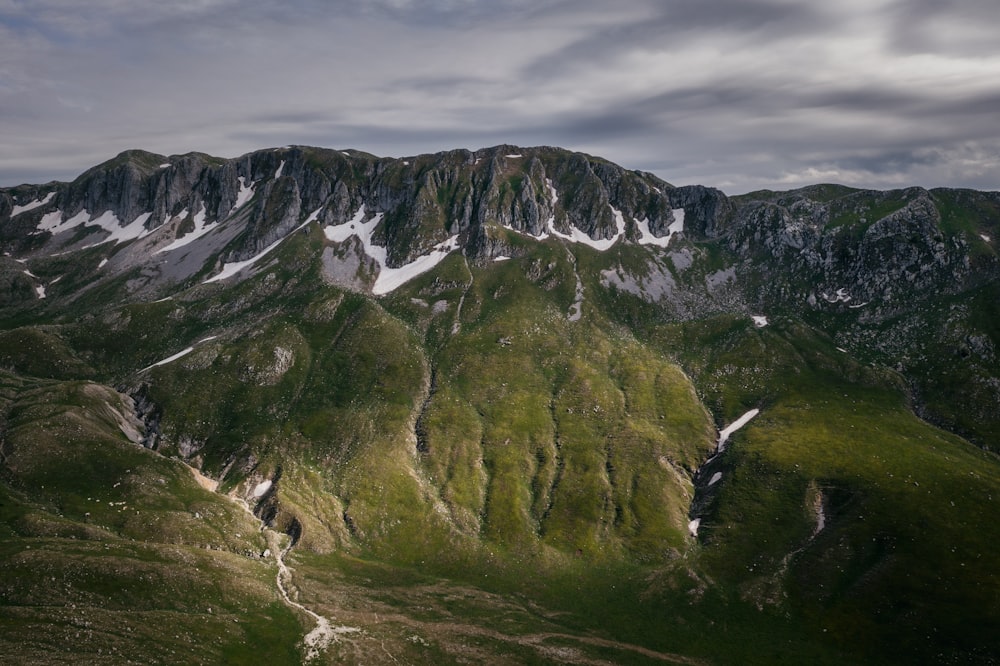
x=577 y=236
x=281 y=167
x=103 y=263
x=33 y=205
x=200 y=229
x=165 y=165
x=388 y=278
x=646 y=236
x=693 y=526
x=108 y=221
x=244 y=195
x=501 y=258
x=40 y=291
x=514 y=155
x=733 y=427
x=759 y=321
x=180 y=354
x=170 y=359
x=261 y=488
x=53 y=222
x=983 y=236
x=119 y=234
x=715 y=478
x=841 y=349
x=231 y=269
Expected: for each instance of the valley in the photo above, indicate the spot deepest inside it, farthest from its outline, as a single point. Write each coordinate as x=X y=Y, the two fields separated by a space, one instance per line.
x=517 y=405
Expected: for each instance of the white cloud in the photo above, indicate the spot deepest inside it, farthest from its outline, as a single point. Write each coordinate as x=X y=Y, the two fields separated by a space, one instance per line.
x=729 y=92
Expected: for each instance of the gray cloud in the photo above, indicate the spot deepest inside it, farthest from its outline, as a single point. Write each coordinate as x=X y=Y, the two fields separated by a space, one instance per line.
x=732 y=93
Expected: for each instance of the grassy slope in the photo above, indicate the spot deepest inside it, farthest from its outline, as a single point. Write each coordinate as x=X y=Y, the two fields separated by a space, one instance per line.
x=104 y=544
x=904 y=558
x=548 y=462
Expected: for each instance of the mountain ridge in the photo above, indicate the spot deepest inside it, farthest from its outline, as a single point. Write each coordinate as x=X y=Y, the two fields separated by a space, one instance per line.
x=503 y=374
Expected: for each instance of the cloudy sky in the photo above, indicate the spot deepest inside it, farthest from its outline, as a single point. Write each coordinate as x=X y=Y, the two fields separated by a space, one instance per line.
x=739 y=94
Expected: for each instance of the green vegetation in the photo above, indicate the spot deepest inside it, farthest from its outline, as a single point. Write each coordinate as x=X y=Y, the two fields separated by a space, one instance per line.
x=500 y=461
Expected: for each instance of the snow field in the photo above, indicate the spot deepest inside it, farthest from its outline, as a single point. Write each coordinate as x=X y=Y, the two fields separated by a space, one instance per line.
x=388 y=278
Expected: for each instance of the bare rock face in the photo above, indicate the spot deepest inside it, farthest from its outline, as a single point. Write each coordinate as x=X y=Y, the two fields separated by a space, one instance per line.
x=819 y=247
x=708 y=212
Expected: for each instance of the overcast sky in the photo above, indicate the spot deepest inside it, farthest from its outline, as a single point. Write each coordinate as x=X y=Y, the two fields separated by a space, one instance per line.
x=737 y=94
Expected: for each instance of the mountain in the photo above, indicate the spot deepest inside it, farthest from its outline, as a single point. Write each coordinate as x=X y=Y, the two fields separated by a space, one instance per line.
x=515 y=405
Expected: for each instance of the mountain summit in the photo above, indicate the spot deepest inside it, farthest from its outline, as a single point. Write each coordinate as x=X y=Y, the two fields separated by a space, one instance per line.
x=511 y=405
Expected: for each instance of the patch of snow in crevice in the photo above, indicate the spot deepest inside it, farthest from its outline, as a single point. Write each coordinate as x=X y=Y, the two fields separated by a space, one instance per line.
x=231 y=269
x=182 y=353
x=733 y=427
x=514 y=155
x=841 y=349
x=53 y=222
x=391 y=278
x=501 y=258
x=119 y=234
x=108 y=221
x=33 y=205
x=646 y=236
x=29 y=273
x=170 y=359
x=243 y=196
x=578 y=236
x=56 y=280
x=261 y=488
x=40 y=291
x=715 y=478
x=693 y=526
x=857 y=305
x=165 y=165
x=983 y=236
x=759 y=321
x=281 y=167
x=200 y=229
x=102 y=264
x=388 y=278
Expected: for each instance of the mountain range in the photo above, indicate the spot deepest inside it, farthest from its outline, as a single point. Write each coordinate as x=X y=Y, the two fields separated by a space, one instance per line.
x=516 y=405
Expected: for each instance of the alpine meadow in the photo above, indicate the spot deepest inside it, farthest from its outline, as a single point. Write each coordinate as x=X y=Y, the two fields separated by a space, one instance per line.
x=518 y=405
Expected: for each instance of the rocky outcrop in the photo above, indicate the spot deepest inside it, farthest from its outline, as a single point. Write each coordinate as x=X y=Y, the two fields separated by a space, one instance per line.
x=707 y=211
x=879 y=249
